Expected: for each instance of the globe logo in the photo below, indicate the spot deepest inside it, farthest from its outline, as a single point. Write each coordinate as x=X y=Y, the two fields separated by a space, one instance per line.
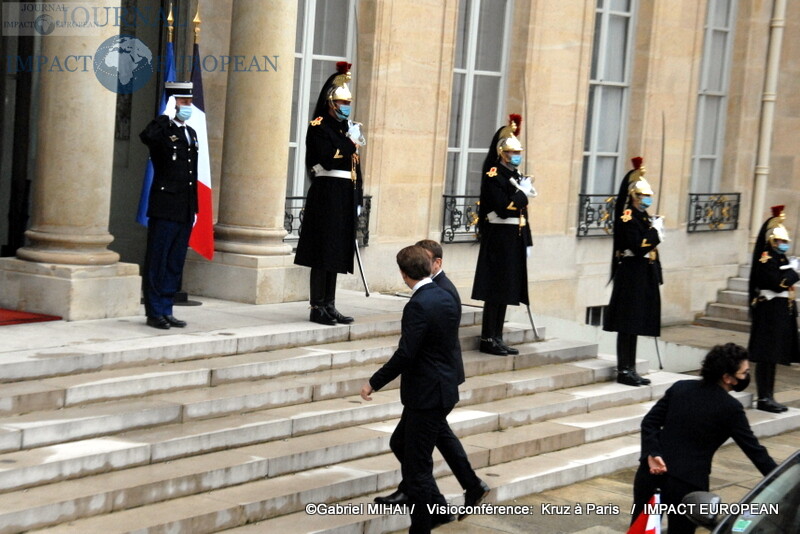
x=44 y=24
x=123 y=64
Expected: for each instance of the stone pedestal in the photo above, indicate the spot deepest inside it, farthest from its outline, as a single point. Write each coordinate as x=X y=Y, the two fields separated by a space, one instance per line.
x=246 y=278
x=72 y=292
x=66 y=268
x=251 y=261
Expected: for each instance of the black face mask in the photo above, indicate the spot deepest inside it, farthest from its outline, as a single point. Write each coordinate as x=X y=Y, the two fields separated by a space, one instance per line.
x=742 y=383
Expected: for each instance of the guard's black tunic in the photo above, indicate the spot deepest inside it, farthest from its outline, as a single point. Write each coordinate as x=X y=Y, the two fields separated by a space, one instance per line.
x=773 y=333
x=501 y=276
x=635 y=305
x=328 y=231
x=173 y=195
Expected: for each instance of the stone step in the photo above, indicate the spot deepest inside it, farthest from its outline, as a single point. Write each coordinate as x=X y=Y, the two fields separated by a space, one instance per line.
x=174 y=347
x=727 y=311
x=264 y=501
x=71 y=460
x=151 y=483
x=71 y=390
x=736 y=298
x=739 y=283
x=724 y=324
x=82 y=422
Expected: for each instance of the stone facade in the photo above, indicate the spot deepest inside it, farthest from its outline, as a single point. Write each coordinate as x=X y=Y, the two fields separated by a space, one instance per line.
x=403 y=81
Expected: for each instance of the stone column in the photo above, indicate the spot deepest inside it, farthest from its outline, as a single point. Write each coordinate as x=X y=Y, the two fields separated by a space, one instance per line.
x=251 y=261
x=66 y=268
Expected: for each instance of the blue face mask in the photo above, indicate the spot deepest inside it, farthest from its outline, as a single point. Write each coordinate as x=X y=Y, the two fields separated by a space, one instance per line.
x=783 y=248
x=515 y=160
x=646 y=202
x=183 y=114
x=342 y=112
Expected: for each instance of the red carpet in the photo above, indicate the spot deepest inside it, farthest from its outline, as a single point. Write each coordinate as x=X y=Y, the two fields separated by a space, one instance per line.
x=20 y=317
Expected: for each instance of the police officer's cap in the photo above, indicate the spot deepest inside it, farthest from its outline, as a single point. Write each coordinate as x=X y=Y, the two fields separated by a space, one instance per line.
x=178 y=89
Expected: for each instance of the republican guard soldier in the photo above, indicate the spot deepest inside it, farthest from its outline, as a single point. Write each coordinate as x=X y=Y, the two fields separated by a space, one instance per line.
x=501 y=275
x=328 y=232
x=172 y=204
x=635 y=305
x=773 y=330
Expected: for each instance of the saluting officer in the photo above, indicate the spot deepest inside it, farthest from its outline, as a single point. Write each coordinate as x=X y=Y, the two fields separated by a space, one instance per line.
x=172 y=203
x=773 y=331
x=501 y=276
x=635 y=306
x=328 y=232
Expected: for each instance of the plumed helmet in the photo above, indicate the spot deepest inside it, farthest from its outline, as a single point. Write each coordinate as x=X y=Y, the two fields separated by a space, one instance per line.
x=775 y=228
x=637 y=184
x=334 y=88
x=508 y=139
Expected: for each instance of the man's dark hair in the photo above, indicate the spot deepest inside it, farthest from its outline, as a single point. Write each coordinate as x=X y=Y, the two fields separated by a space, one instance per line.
x=431 y=246
x=414 y=262
x=721 y=360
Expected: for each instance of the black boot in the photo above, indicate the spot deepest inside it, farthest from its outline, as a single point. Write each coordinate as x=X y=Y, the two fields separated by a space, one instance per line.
x=317 y=298
x=333 y=312
x=330 y=298
x=765 y=386
x=489 y=333
x=490 y=346
x=510 y=350
x=626 y=361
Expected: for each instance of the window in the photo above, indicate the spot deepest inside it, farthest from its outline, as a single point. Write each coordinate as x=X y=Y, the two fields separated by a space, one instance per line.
x=609 y=87
x=326 y=33
x=476 y=109
x=713 y=96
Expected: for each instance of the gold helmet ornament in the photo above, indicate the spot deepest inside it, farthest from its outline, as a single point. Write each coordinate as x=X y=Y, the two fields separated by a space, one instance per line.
x=339 y=89
x=508 y=140
x=637 y=184
x=775 y=229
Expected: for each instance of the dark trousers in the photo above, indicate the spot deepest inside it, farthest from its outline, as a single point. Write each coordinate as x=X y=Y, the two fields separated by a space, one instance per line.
x=626 y=351
x=167 y=243
x=765 y=380
x=494 y=315
x=456 y=457
x=672 y=492
x=412 y=443
x=322 y=289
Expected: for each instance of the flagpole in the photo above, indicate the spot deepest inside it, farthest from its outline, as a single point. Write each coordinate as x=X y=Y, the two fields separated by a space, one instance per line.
x=196 y=21
x=170 y=26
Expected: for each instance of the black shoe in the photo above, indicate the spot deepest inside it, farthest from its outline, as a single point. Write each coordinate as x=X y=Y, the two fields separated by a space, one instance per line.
x=437 y=520
x=642 y=380
x=475 y=496
x=769 y=405
x=398 y=497
x=319 y=315
x=628 y=377
x=177 y=323
x=159 y=322
x=490 y=346
x=510 y=350
x=341 y=319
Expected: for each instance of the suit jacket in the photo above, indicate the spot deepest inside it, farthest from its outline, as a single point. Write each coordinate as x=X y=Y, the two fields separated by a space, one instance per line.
x=690 y=422
x=173 y=195
x=425 y=356
x=445 y=283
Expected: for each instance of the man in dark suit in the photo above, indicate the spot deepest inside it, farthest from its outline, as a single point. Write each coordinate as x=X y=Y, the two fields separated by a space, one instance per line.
x=684 y=429
x=426 y=358
x=448 y=444
x=172 y=204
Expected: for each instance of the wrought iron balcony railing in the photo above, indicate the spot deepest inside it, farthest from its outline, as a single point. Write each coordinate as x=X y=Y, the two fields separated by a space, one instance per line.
x=293 y=220
x=596 y=215
x=459 y=218
x=713 y=212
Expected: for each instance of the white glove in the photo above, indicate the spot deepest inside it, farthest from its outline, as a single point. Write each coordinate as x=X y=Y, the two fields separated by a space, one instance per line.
x=793 y=264
x=524 y=185
x=355 y=134
x=170 y=110
x=358 y=211
x=528 y=252
x=657 y=223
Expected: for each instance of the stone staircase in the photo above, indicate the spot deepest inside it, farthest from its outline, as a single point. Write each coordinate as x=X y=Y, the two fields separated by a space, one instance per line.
x=240 y=429
x=731 y=310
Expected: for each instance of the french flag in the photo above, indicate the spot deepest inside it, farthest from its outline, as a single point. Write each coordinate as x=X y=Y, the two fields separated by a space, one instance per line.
x=648 y=523
x=147 y=182
x=202 y=238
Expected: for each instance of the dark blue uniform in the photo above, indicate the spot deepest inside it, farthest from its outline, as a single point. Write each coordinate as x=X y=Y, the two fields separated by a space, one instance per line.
x=171 y=210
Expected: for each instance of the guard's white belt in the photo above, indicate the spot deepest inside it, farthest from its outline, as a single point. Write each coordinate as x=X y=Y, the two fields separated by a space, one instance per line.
x=493 y=218
x=319 y=170
x=769 y=295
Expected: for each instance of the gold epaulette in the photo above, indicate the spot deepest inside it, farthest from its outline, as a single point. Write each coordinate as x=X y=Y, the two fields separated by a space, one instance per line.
x=316 y=122
x=626 y=216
